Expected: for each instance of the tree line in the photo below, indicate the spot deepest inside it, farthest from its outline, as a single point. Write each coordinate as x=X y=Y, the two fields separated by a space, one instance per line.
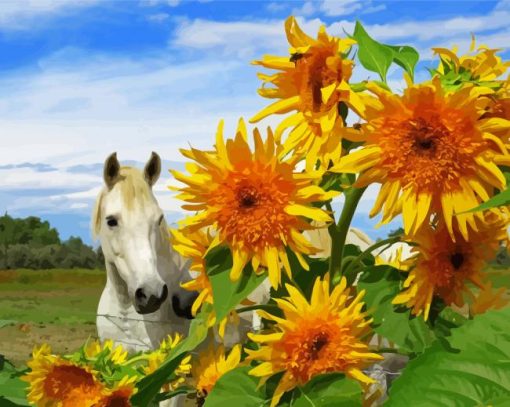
x=33 y=243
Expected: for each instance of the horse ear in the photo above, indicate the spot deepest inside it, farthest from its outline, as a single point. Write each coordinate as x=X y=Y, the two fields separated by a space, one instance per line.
x=111 y=170
x=152 y=169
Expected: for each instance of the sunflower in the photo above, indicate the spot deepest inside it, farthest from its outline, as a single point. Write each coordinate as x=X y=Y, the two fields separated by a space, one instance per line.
x=117 y=354
x=444 y=267
x=255 y=202
x=57 y=382
x=316 y=337
x=194 y=246
x=433 y=153
x=312 y=82
x=211 y=365
x=482 y=66
x=499 y=106
x=156 y=358
x=120 y=394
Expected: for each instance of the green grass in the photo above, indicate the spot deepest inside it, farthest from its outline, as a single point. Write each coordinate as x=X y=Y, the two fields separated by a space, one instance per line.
x=57 y=307
x=50 y=296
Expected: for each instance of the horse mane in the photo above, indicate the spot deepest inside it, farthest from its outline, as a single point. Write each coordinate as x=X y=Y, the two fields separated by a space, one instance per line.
x=134 y=190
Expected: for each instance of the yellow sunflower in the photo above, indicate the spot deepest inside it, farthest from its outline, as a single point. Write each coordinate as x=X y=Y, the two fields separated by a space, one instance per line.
x=194 y=246
x=499 y=107
x=211 y=365
x=312 y=82
x=57 y=382
x=483 y=65
x=432 y=152
x=256 y=202
x=316 y=337
x=156 y=358
x=117 y=354
x=120 y=394
x=444 y=267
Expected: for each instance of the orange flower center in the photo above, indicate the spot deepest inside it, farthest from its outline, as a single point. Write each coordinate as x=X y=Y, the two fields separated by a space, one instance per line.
x=251 y=205
x=316 y=347
x=312 y=73
x=429 y=152
x=63 y=379
x=449 y=269
x=120 y=398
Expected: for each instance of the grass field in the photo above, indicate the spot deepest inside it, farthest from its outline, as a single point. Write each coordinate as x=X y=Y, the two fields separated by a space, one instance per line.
x=59 y=306
x=53 y=306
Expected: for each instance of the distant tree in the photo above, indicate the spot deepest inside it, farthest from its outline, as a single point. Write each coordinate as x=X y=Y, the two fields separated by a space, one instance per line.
x=10 y=233
x=33 y=243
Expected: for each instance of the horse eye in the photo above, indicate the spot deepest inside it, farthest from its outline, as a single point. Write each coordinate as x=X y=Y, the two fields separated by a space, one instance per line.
x=161 y=219
x=112 y=222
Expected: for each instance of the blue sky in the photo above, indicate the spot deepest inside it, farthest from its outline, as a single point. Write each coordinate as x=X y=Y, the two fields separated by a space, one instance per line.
x=81 y=79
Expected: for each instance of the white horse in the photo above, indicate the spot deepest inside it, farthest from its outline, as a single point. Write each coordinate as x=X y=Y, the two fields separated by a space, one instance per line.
x=142 y=301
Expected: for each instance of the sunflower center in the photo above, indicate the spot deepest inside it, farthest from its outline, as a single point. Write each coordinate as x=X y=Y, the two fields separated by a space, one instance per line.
x=248 y=197
x=457 y=259
x=313 y=74
x=62 y=379
x=253 y=207
x=318 y=342
x=425 y=135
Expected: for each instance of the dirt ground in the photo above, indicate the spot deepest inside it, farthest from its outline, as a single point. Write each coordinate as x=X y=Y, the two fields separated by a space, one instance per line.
x=57 y=307
x=17 y=341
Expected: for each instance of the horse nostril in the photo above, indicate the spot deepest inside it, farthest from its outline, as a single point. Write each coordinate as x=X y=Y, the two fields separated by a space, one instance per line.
x=139 y=294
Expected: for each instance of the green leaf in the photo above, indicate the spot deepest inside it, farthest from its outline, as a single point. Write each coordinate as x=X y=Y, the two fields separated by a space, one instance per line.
x=329 y=390
x=447 y=320
x=13 y=391
x=227 y=294
x=150 y=385
x=501 y=199
x=236 y=388
x=499 y=402
x=382 y=284
x=469 y=368
x=374 y=56
x=301 y=278
x=406 y=57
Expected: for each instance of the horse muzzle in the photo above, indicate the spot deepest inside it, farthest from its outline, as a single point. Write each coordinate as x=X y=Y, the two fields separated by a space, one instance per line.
x=182 y=304
x=146 y=303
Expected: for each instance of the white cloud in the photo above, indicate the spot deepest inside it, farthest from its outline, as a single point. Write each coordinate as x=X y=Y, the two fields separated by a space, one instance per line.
x=158 y=18
x=23 y=14
x=424 y=30
x=307 y=9
x=153 y=3
x=239 y=37
x=29 y=178
x=340 y=8
x=132 y=107
x=336 y=8
x=276 y=7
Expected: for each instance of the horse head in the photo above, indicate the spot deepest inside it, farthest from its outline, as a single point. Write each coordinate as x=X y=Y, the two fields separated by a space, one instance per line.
x=134 y=235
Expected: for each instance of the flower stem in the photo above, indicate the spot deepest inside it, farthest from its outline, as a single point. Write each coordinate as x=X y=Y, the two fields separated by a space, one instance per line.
x=369 y=250
x=338 y=232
